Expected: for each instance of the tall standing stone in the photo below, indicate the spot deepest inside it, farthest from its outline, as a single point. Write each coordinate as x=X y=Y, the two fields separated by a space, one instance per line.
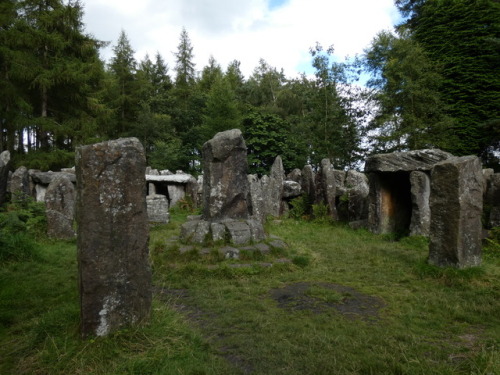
x=60 y=207
x=225 y=183
x=4 y=175
x=493 y=200
x=20 y=183
x=456 y=203
x=274 y=193
x=115 y=274
x=420 y=193
x=326 y=187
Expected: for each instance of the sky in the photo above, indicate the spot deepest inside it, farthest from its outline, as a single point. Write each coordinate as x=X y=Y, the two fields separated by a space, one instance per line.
x=279 y=31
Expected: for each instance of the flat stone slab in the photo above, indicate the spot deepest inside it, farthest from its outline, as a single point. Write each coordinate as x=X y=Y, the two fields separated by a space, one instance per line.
x=418 y=160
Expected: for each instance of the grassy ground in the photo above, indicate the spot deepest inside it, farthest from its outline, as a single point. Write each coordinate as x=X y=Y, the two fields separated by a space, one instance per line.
x=349 y=302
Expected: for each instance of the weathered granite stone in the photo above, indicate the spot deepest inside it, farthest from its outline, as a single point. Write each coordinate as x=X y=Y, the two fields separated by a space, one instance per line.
x=4 y=175
x=257 y=195
x=493 y=200
x=295 y=175
x=225 y=183
x=45 y=178
x=357 y=189
x=60 y=208
x=229 y=252
x=340 y=177
x=456 y=202
x=40 y=191
x=175 y=194
x=157 y=205
x=418 y=160
x=325 y=187
x=274 y=192
x=218 y=231
x=421 y=213
x=291 y=189
x=113 y=260
x=20 y=183
x=308 y=183
x=487 y=173
x=239 y=232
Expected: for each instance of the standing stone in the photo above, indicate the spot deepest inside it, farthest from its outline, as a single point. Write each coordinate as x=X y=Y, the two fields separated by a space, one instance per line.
x=20 y=184
x=421 y=212
x=4 y=175
x=456 y=203
x=295 y=175
x=225 y=183
x=60 y=207
x=115 y=274
x=158 y=209
x=257 y=195
x=493 y=200
x=357 y=189
x=308 y=183
x=325 y=187
x=274 y=193
x=175 y=194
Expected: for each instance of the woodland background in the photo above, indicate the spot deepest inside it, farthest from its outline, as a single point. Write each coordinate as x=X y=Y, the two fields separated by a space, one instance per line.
x=433 y=81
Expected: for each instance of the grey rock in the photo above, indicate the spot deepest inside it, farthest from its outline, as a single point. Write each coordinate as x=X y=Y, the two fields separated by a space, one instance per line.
x=20 y=183
x=45 y=178
x=60 y=208
x=278 y=244
x=295 y=175
x=263 y=248
x=113 y=256
x=418 y=160
x=274 y=192
x=239 y=232
x=421 y=213
x=291 y=189
x=357 y=190
x=456 y=206
x=218 y=231
x=325 y=187
x=4 y=175
x=157 y=206
x=493 y=200
x=175 y=194
x=229 y=252
x=308 y=183
x=340 y=182
x=225 y=183
x=257 y=196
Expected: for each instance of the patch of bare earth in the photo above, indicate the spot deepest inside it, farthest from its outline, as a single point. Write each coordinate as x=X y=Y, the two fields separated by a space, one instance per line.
x=352 y=305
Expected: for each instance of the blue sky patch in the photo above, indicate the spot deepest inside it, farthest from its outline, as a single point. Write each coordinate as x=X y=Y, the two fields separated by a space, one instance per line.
x=274 y=4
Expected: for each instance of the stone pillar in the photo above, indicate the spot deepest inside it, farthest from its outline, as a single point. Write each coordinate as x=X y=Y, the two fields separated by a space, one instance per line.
x=274 y=194
x=60 y=207
x=113 y=260
x=225 y=183
x=4 y=175
x=421 y=212
x=456 y=203
x=20 y=184
x=158 y=209
x=493 y=200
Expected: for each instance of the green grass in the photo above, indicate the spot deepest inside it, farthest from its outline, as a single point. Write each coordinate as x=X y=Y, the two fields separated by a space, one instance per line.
x=223 y=320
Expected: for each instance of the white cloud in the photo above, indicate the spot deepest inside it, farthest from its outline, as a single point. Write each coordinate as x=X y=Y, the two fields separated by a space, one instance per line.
x=245 y=30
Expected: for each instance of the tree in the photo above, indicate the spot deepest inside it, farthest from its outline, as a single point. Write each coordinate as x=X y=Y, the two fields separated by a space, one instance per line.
x=462 y=38
x=125 y=98
x=53 y=72
x=184 y=66
x=410 y=113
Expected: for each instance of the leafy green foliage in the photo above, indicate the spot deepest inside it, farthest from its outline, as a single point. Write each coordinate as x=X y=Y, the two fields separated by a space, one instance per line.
x=21 y=224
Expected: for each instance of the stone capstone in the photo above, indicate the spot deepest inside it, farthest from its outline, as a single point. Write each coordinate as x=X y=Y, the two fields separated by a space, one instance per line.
x=60 y=207
x=113 y=257
x=456 y=203
x=418 y=160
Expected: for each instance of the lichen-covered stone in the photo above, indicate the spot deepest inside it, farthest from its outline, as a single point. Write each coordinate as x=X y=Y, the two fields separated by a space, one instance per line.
x=20 y=183
x=4 y=175
x=157 y=205
x=113 y=257
x=418 y=160
x=60 y=208
x=456 y=203
x=421 y=213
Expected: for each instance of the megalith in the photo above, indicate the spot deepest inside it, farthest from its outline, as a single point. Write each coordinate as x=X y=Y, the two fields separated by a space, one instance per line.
x=225 y=183
x=20 y=183
x=420 y=190
x=390 y=200
x=227 y=204
x=60 y=208
x=326 y=186
x=493 y=200
x=274 y=193
x=4 y=175
x=113 y=259
x=456 y=203
x=357 y=190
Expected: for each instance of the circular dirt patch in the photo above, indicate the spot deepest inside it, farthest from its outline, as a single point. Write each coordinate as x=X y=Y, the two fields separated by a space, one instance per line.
x=322 y=297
